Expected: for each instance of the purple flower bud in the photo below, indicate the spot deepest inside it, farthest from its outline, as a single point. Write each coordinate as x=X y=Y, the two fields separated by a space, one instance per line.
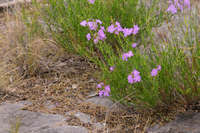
x=134 y=45
x=112 y=68
x=135 y=29
x=154 y=72
x=159 y=68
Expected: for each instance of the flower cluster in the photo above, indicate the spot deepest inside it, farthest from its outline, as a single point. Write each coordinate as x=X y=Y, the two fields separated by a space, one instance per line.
x=116 y=28
x=134 y=77
x=154 y=71
x=93 y=25
x=178 y=4
x=113 y=28
x=127 y=55
x=106 y=90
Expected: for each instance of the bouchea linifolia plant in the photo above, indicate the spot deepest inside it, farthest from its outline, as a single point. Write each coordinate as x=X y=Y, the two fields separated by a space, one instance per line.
x=117 y=35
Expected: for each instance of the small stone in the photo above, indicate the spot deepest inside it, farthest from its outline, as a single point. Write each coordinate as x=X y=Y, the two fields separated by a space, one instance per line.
x=101 y=101
x=83 y=117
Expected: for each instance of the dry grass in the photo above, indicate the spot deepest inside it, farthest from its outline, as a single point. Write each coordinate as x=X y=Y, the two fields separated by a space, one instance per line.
x=23 y=55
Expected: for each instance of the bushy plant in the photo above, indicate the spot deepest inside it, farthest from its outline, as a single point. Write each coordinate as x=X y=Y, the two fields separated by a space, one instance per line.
x=116 y=35
x=63 y=18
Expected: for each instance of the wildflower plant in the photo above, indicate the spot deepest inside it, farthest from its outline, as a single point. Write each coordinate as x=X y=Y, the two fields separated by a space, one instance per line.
x=116 y=35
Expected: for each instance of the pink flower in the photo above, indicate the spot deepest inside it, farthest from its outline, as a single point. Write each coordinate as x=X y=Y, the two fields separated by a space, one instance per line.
x=83 y=23
x=91 y=1
x=172 y=9
x=101 y=35
x=135 y=72
x=137 y=78
x=118 y=28
x=127 y=31
x=102 y=28
x=135 y=29
x=127 y=55
x=130 y=54
x=134 y=45
x=134 y=77
x=107 y=88
x=105 y=92
x=101 y=92
x=96 y=40
x=111 y=28
x=92 y=25
x=98 y=21
x=159 y=68
x=154 y=72
x=88 y=36
x=118 y=24
x=100 y=85
x=124 y=57
x=130 y=79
